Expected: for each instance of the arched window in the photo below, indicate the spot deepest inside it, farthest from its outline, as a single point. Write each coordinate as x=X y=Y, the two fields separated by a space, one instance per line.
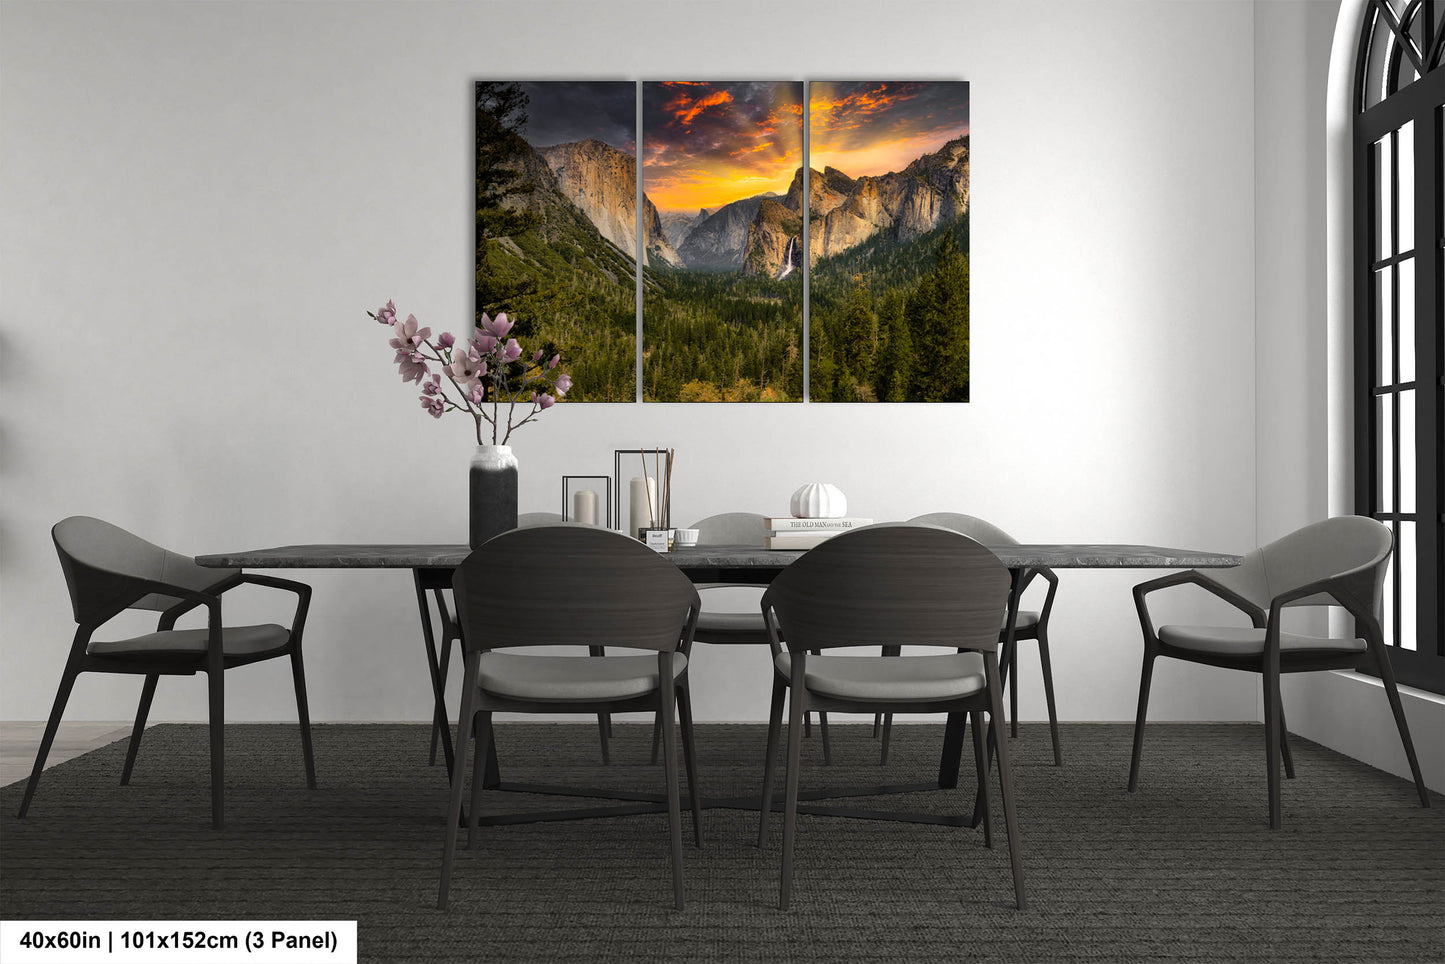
x=1399 y=375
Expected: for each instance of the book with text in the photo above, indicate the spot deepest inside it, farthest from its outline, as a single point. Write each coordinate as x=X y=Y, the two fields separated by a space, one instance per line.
x=788 y=524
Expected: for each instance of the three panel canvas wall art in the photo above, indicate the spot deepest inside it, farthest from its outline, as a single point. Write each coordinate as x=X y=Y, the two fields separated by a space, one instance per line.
x=738 y=180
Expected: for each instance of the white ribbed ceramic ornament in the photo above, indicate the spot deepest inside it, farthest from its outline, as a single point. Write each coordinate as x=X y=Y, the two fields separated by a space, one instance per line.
x=819 y=500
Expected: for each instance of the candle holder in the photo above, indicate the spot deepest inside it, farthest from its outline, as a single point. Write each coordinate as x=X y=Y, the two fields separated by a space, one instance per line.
x=656 y=464
x=572 y=485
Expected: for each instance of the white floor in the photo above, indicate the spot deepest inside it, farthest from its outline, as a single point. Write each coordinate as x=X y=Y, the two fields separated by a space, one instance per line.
x=19 y=742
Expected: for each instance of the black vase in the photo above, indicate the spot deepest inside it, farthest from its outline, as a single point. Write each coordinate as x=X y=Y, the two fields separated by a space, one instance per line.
x=493 y=493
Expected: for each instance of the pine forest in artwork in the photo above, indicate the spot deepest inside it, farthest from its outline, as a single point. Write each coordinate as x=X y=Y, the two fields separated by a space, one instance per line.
x=725 y=313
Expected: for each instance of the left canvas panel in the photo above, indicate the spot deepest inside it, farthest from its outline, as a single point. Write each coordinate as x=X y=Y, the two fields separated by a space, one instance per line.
x=556 y=224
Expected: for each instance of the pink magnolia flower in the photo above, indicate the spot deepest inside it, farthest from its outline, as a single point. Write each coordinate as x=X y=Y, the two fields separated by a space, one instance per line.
x=483 y=345
x=446 y=339
x=537 y=355
x=464 y=369
x=496 y=327
x=408 y=336
x=564 y=384
x=434 y=405
x=387 y=315
x=510 y=352
x=543 y=400
x=478 y=394
x=554 y=361
x=433 y=385
x=413 y=366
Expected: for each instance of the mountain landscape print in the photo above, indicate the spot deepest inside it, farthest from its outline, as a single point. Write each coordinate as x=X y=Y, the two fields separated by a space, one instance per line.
x=888 y=243
x=749 y=249
x=557 y=224
x=722 y=301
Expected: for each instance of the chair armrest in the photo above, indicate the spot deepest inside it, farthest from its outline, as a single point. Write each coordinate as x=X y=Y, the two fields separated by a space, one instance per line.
x=1196 y=578
x=1052 y=579
x=1337 y=587
x=303 y=598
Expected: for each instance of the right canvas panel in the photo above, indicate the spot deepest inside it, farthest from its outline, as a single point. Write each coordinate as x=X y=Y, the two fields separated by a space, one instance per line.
x=888 y=243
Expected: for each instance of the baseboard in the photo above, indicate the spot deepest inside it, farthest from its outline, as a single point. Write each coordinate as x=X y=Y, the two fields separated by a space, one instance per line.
x=1348 y=713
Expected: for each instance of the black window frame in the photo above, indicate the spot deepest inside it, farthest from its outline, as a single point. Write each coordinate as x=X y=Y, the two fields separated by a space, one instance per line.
x=1386 y=99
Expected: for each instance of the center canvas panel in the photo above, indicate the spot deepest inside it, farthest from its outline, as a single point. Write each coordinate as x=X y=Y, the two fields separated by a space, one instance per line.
x=722 y=301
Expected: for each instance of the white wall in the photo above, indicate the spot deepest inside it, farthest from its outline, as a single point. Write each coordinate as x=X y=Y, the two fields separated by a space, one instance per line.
x=201 y=200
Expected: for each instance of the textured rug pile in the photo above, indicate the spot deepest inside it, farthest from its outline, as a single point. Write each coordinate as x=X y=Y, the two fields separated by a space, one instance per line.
x=1186 y=869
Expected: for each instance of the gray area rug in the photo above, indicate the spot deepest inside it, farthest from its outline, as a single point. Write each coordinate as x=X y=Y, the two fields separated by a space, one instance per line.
x=1184 y=870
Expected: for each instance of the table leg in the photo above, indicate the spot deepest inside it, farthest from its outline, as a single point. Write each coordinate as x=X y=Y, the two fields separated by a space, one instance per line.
x=439 y=714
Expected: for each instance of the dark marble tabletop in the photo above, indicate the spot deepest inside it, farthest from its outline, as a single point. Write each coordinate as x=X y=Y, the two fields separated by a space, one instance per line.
x=394 y=556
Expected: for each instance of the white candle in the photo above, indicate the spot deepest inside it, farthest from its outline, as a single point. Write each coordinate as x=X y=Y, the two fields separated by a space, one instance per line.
x=644 y=498
x=584 y=507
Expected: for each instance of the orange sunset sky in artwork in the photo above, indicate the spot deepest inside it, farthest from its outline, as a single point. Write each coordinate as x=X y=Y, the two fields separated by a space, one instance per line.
x=708 y=144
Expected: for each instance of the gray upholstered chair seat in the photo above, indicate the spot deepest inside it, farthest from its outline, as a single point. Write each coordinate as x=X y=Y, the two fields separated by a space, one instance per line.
x=724 y=622
x=1026 y=620
x=235 y=641
x=890 y=678
x=572 y=678
x=1242 y=641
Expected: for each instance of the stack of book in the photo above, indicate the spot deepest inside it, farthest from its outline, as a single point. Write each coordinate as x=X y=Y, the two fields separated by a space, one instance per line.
x=806 y=533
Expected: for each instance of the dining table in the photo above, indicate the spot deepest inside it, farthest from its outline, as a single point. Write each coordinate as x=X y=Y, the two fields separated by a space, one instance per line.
x=432 y=566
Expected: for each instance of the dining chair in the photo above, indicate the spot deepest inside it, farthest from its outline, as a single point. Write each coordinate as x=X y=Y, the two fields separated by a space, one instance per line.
x=910 y=585
x=1028 y=625
x=730 y=627
x=451 y=637
x=1338 y=562
x=575 y=586
x=108 y=571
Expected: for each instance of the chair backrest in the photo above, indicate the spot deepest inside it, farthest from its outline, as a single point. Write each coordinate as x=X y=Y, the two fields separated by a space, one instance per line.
x=731 y=529
x=572 y=585
x=1317 y=551
x=101 y=562
x=972 y=526
x=897 y=583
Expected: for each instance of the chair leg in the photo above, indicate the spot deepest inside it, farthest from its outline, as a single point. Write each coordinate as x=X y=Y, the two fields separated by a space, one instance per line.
x=1271 y=737
x=886 y=719
x=459 y=775
x=216 y=684
x=1392 y=692
x=303 y=715
x=482 y=723
x=656 y=735
x=980 y=757
x=689 y=760
x=807 y=726
x=147 y=693
x=669 y=763
x=57 y=709
x=1284 y=743
x=604 y=720
x=775 y=726
x=1013 y=689
x=1049 y=694
x=1005 y=782
x=827 y=744
x=1146 y=675
x=790 y=805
